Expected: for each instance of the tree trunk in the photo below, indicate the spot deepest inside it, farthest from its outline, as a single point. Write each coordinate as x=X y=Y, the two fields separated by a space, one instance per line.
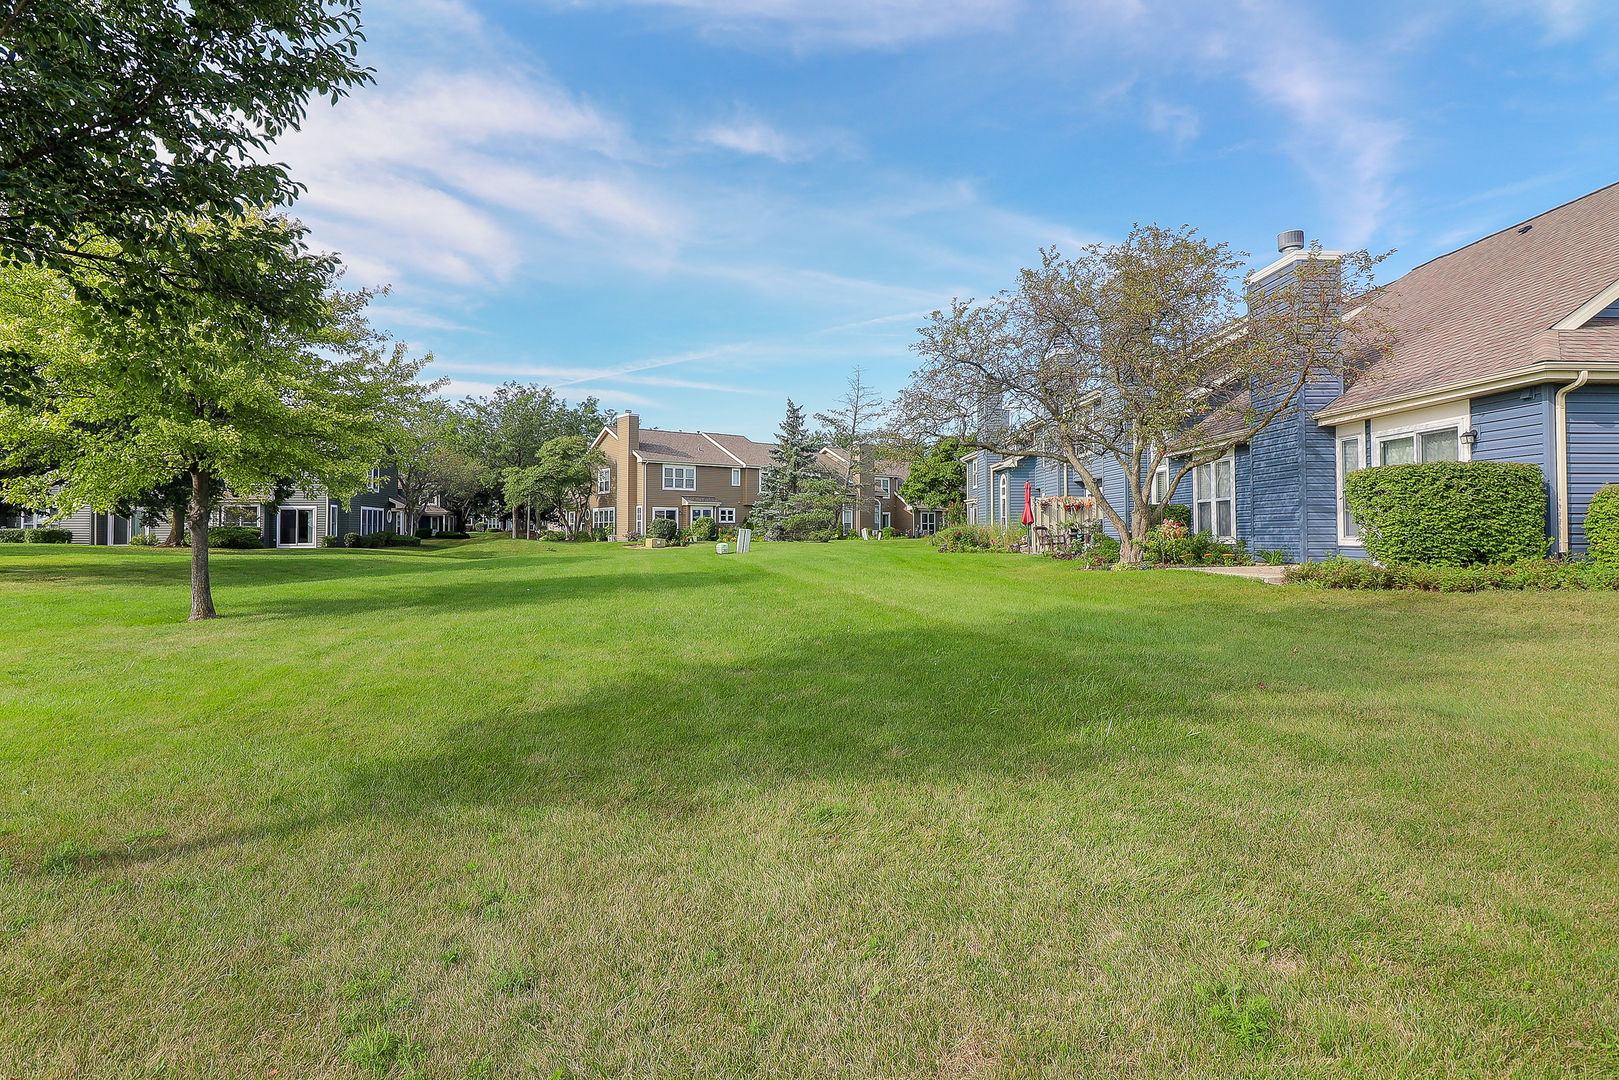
x=202 y=595
x=177 y=528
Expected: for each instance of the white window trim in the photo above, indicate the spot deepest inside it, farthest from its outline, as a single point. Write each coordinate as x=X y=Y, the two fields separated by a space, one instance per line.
x=883 y=485
x=1160 y=479
x=1229 y=456
x=673 y=512
x=736 y=477
x=1359 y=438
x=604 y=481
x=701 y=512
x=727 y=515
x=1415 y=434
x=679 y=474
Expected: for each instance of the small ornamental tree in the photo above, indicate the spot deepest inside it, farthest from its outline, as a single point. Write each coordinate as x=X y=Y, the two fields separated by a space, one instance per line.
x=229 y=398
x=938 y=479
x=1602 y=525
x=1142 y=353
x=1450 y=513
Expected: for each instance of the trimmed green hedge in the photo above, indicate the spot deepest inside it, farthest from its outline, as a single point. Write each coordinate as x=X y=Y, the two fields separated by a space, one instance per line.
x=12 y=536
x=1450 y=513
x=1602 y=525
x=380 y=540
x=1537 y=574
x=48 y=536
x=239 y=537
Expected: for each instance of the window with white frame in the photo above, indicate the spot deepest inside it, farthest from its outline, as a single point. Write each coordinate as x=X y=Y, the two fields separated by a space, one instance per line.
x=603 y=517
x=972 y=511
x=374 y=479
x=1214 y=497
x=680 y=478
x=1005 y=499
x=1160 y=485
x=1350 y=458
x=661 y=512
x=701 y=512
x=604 y=481
x=882 y=485
x=727 y=515
x=736 y=477
x=640 y=526
x=1442 y=444
x=238 y=516
x=371 y=519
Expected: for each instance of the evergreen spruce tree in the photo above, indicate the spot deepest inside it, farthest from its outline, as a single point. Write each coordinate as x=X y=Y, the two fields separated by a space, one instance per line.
x=795 y=501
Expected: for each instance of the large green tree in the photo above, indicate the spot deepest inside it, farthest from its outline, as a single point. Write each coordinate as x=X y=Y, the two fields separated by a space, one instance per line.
x=938 y=479
x=796 y=500
x=121 y=403
x=123 y=121
x=507 y=430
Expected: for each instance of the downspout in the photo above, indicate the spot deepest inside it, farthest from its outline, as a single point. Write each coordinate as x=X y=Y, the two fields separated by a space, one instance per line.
x=1564 y=540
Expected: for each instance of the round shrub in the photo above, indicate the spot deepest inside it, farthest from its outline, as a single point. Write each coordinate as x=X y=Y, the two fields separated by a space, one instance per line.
x=1450 y=513
x=1602 y=525
x=704 y=529
x=424 y=532
x=232 y=536
x=143 y=540
x=1179 y=513
x=663 y=529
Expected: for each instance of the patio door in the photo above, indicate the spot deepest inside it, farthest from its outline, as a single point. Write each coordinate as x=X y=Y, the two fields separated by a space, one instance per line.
x=295 y=527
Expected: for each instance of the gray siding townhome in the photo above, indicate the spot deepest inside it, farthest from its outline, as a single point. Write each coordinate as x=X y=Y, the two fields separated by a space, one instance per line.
x=1506 y=350
x=298 y=519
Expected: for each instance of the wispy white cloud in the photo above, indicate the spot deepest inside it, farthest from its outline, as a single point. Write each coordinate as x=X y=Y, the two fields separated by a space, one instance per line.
x=749 y=135
x=449 y=174
x=808 y=24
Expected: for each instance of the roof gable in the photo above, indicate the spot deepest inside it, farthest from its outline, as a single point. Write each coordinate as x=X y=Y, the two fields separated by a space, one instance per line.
x=1499 y=304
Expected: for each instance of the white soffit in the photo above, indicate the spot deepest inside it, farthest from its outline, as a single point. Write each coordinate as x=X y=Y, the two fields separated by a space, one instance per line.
x=1597 y=305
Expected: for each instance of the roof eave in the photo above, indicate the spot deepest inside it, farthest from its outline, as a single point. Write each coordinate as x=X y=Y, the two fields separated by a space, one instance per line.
x=1471 y=388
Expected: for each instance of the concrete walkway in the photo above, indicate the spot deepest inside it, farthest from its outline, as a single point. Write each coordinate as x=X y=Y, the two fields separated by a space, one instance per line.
x=1270 y=575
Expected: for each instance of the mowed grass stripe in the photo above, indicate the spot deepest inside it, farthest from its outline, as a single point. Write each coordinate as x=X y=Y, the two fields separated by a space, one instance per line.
x=861 y=809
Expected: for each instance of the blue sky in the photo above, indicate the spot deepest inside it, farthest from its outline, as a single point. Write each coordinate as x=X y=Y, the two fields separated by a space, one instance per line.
x=698 y=208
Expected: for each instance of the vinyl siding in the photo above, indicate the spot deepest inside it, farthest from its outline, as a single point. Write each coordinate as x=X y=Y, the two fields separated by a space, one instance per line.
x=1512 y=427
x=1593 y=451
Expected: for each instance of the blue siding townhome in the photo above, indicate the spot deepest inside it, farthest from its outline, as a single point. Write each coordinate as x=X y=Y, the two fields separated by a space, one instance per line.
x=1506 y=350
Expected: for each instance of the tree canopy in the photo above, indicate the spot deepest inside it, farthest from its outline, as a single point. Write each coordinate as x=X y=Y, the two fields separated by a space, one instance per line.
x=119 y=404
x=938 y=479
x=124 y=121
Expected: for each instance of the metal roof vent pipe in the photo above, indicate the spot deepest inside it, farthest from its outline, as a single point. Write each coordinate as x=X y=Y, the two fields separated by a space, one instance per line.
x=1291 y=240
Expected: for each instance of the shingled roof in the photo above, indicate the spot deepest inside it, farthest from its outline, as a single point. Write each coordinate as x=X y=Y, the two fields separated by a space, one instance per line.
x=702 y=448
x=1491 y=307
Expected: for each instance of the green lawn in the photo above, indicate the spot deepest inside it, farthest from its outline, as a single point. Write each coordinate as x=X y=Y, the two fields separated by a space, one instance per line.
x=861 y=810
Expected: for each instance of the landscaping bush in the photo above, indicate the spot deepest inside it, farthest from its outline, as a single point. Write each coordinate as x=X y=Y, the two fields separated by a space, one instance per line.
x=12 y=536
x=451 y=534
x=1179 y=513
x=354 y=540
x=143 y=540
x=336 y=541
x=380 y=540
x=396 y=540
x=703 y=529
x=1602 y=525
x=663 y=529
x=978 y=538
x=424 y=532
x=234 y=536
x=890 y=533
x=1545 y=574
x=47 y=536
x=1450 y=513
x=554 y=536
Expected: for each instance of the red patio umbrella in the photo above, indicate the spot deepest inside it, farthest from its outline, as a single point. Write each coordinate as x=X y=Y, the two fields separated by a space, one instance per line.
x=1028 y=513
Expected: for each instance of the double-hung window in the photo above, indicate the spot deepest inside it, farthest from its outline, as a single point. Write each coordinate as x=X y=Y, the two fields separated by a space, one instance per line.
x=736 y=477
x=604 y=481
x=1160 y=485
x=680 y=478
x=1214 y=491
x=1349 y=459
x=1005 y=500
x=882 y=485
x=1420 y=446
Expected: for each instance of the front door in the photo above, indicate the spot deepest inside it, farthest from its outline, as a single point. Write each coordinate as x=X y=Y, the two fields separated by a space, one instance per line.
x=927 y=523
x=296 y=527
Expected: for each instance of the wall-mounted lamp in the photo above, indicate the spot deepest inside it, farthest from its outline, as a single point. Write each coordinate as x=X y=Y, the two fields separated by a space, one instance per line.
x=1469 y=437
